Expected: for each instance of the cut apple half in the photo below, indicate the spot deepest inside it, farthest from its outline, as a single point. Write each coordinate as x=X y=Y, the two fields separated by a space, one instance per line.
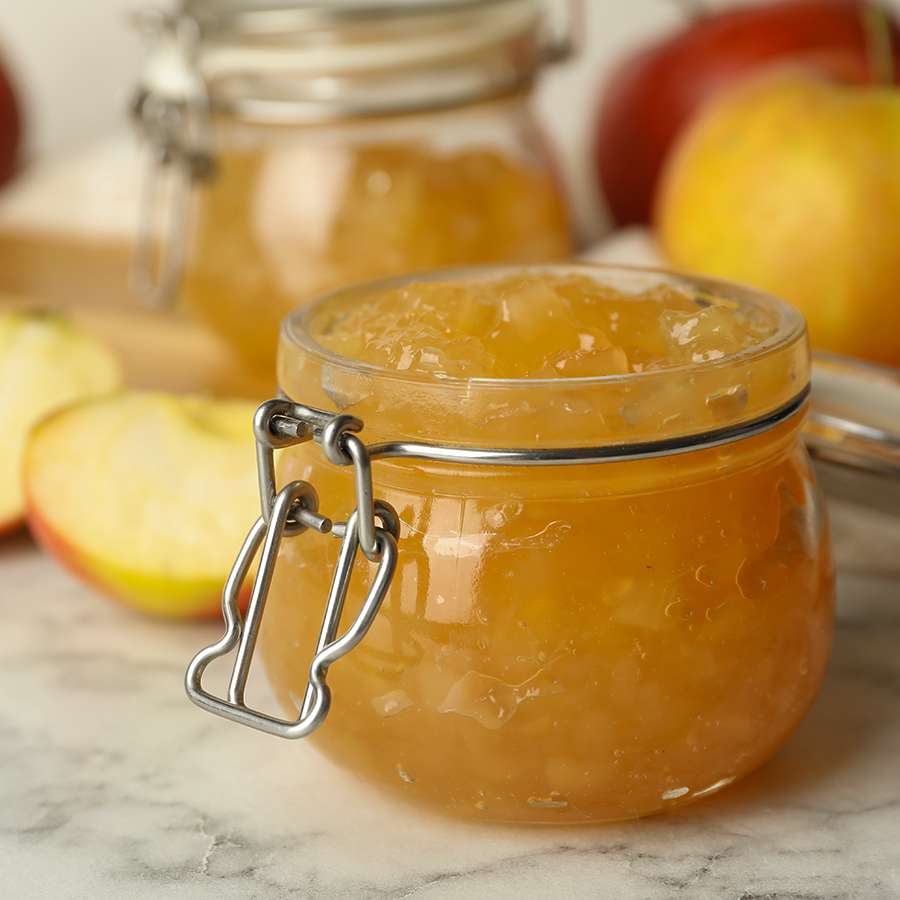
x=147 y=496
x=45 y=363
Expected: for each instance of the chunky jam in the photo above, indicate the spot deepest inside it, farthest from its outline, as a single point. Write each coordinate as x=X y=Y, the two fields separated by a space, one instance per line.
x=565 y=643
x=538 y=326
x=274 y=227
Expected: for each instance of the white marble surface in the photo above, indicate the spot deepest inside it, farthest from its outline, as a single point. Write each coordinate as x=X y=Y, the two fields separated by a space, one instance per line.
x=112 y=785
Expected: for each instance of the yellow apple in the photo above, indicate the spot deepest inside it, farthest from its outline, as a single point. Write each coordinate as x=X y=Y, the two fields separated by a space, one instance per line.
x=790 y=181
x=147 y=496
x=45 y=362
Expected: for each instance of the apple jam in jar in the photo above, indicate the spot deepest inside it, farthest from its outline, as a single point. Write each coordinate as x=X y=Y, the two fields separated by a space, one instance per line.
x=327 y=143
x=613 y=587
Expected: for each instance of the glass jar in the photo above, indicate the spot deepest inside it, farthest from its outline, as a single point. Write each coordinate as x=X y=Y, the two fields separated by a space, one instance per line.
x=311 y=145
x=613 y=595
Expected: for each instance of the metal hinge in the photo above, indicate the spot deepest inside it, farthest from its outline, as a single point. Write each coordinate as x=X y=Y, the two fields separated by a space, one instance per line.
x=287 y=513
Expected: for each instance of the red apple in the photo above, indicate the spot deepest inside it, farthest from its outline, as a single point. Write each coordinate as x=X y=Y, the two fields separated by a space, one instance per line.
x=654 y=93
x=10 y=127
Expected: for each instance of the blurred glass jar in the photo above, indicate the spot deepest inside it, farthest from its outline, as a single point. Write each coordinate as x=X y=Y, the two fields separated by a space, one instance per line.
x=297 y=147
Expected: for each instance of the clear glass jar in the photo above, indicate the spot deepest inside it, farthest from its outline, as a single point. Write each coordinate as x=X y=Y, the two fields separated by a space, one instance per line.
x=570 y=642
x=326 y=143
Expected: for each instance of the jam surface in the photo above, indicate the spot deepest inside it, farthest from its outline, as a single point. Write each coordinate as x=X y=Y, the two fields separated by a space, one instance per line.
x=539 y=326
x=565 y=643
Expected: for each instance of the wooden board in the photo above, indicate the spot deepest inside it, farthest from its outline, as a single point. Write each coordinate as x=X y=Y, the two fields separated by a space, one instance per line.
x=159 y=349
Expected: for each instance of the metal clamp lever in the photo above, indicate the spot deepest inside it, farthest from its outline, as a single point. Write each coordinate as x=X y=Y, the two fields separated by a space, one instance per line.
x=171 y=110
x=288 y=512
x=242 y=634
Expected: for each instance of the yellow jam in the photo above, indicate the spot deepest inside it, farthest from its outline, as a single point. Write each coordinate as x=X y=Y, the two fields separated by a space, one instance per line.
x=566 y=643
x=273 y=227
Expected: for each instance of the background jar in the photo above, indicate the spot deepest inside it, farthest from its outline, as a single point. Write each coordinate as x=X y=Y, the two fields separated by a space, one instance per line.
x=303 y=146
x=575 y=642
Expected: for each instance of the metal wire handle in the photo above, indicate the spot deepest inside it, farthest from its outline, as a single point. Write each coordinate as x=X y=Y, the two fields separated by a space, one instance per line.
x=570 y=32
x=287 y=513
x=173 y=120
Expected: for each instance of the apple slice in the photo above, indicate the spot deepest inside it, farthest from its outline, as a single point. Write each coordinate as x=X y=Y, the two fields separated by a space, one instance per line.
x=147 y=496
x=45 y=362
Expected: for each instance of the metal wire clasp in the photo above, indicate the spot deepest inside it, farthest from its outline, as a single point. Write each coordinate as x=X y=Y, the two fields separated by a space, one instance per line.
x=171 y=111
x=286 y=513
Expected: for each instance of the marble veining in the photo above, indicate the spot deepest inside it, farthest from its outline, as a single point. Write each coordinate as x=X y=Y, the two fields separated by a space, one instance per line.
x=112 y=785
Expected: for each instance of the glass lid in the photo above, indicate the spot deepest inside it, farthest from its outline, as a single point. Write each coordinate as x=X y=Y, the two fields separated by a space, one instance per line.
x=285 y=61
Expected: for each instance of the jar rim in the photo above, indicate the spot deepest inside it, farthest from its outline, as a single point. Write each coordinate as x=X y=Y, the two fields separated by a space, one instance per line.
x=283 y=61
x=246 y=17
x=669 y=403
x=790 y=324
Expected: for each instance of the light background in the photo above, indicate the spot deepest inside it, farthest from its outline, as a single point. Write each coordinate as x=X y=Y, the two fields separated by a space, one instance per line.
x=74 y=61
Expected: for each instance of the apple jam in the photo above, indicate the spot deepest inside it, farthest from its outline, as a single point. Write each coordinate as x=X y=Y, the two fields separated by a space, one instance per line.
x=566 y=642
x=280 y=223
x=306 y=147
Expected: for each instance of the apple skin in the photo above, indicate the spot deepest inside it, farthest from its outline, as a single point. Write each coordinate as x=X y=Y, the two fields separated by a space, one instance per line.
x=10 y=128
x=790 y=181
x=151 y=500
x=654 y=93
x=154 y=594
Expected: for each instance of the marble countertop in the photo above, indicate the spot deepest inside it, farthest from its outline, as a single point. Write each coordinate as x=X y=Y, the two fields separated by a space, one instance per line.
x=113 y=785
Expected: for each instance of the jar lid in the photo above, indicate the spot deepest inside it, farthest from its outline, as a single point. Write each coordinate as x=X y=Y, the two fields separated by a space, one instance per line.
x=307 y=61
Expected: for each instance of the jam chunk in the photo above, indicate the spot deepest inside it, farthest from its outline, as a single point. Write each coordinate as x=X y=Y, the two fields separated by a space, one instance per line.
x=537 y=326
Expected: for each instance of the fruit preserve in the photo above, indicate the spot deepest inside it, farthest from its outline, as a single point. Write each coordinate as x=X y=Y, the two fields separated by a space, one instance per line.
x=313 y=145
x=563 y=640
x=276 y=225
